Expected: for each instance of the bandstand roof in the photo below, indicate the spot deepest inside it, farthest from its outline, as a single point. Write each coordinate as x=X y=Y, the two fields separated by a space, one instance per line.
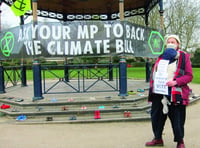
x=67 y=10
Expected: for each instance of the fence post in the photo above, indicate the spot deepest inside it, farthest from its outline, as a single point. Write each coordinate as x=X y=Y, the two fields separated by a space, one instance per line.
x=66 y=71
x=23 y=74
x=110 y=68
x=122 y=77
x=14 y=69
x=148 y=71
x=37 y=80
x=2 y=86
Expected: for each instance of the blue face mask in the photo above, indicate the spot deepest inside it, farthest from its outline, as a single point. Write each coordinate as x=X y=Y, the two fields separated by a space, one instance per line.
x=169 y=54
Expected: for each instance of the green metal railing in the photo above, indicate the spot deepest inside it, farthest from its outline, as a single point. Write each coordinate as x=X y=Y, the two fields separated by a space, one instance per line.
x=80 y=78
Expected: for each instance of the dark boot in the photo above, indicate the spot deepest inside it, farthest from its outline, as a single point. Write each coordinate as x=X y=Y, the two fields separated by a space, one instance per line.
x=155 y=142
x=180 y=144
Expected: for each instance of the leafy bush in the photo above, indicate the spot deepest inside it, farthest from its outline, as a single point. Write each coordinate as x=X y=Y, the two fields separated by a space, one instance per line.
x=138 y=64
x=196 y=65
x=196 y=60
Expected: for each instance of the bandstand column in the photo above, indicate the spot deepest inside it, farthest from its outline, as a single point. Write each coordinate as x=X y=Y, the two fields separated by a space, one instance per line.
x=161 y=16
x=122 y=63
x=37 y=78
x=147 y=64
x=22 y=66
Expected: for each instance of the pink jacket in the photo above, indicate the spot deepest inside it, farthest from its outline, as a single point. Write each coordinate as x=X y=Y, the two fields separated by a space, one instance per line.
x=181 y=89
x=182 y=81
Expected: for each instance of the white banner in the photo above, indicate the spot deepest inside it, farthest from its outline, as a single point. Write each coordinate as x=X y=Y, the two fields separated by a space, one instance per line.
x=161 y=78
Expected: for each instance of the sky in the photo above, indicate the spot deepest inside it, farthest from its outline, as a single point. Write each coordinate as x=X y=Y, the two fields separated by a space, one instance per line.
x=8 y=18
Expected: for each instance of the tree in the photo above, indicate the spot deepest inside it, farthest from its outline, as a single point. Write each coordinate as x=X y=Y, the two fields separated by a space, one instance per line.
x=153 y=19
x=181 y=17
x=196 y=60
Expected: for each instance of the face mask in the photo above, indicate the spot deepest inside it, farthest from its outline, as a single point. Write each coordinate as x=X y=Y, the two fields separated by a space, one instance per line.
x=170 y=45
x=169 y=54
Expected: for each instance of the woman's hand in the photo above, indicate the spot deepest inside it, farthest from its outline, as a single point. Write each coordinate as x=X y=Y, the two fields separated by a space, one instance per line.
x=171 y=83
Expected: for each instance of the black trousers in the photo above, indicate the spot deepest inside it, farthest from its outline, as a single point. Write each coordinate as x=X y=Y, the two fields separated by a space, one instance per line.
x=176 y=114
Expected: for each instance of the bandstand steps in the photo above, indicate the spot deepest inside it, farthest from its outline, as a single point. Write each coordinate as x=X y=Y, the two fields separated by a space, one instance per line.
x=111 y=110
x=86 y=119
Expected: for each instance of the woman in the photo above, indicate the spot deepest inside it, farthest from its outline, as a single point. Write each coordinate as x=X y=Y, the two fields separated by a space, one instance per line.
x=172 y=71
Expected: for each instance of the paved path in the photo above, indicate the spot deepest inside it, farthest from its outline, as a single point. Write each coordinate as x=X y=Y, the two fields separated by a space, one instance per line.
x=97 y=135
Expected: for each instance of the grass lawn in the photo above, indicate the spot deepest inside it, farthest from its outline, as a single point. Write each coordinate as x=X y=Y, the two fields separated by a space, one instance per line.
x=136 y=73
x=139 y=73
x=196 y=74
x=132 y=73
